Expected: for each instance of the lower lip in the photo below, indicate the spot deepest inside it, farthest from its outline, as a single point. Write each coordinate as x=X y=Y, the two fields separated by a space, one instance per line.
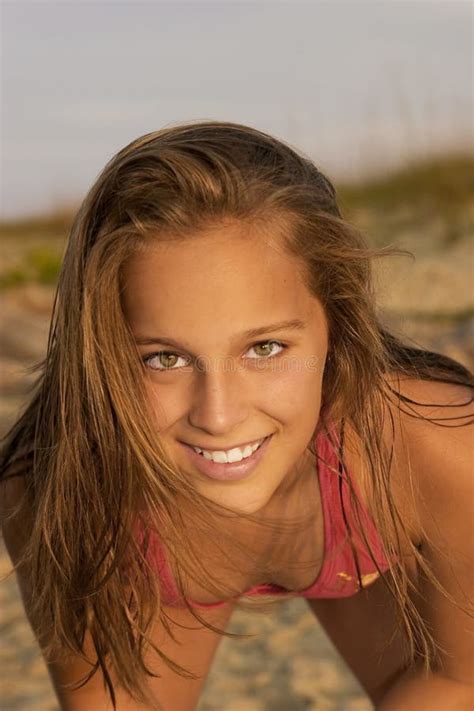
x=233 y=471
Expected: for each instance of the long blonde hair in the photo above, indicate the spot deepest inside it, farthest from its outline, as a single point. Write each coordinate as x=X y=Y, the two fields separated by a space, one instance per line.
x=91 y=462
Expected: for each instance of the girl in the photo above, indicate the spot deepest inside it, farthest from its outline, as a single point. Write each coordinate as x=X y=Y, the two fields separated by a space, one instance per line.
x=221 y=416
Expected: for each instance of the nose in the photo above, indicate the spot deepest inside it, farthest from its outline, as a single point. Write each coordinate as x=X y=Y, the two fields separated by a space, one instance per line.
x=219 y=404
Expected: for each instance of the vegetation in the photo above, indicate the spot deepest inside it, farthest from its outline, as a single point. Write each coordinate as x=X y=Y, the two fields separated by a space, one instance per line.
x=40 y=264
x=432 y=199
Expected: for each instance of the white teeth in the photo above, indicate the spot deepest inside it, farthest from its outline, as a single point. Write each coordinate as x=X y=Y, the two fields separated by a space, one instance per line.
x=231 y=455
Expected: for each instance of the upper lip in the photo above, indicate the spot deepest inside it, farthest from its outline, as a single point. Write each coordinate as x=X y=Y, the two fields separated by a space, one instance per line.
x=224 y=449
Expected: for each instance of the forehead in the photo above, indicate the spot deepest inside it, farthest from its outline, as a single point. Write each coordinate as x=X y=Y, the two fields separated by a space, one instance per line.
x=225 y=274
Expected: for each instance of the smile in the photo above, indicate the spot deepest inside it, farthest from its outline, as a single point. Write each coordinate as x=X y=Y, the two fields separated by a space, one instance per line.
x=236 y=454
x=228 y=465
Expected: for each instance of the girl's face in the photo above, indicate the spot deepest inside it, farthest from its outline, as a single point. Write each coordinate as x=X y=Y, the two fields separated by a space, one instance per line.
x=215 y=386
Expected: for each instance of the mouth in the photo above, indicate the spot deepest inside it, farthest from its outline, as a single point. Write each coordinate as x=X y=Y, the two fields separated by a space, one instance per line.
x=242 y=445
x=226 y=471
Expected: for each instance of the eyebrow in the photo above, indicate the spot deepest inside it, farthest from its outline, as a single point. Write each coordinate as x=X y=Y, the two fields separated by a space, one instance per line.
x=291 y=325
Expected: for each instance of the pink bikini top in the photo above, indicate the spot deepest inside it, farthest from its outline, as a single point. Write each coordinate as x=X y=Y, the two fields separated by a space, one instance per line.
x=338 y=576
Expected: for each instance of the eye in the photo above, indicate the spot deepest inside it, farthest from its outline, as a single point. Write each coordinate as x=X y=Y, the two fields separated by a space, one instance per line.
x=265 y=345
x=166 y=358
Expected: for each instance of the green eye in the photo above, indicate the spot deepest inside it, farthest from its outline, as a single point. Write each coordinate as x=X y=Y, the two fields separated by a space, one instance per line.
x=266 y=346
x=166 y=359
x=163 y=361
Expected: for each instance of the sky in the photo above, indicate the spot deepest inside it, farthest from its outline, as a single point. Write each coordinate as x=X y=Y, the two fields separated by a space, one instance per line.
x=358 y=86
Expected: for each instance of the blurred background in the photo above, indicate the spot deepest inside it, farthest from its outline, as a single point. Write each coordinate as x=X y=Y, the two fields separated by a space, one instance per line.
x=379 y=94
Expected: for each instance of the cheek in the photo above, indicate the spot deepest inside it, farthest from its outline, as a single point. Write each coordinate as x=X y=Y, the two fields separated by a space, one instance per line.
x=301 y=379
x=164 y=405
x=292 y=396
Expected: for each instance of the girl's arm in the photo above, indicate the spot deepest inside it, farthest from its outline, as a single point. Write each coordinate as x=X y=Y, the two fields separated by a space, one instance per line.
x=442 y=465
x=194 y=648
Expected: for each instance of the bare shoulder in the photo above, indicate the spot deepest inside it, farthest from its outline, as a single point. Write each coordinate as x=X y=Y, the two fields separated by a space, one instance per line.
x=433 y=421
x=433 y=430
x=428 y=431
x=430 y=398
